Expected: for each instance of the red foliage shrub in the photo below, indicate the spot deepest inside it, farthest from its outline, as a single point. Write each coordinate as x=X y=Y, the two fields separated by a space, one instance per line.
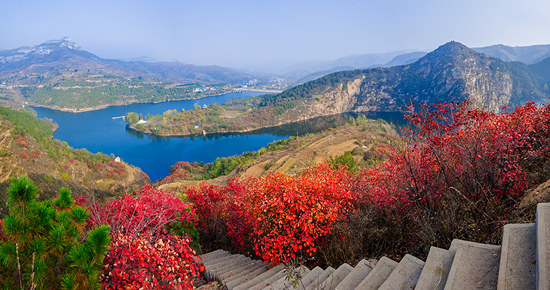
x=150 y=210
x=289 y=215
x=136 y=262
x=142 y=254
x=71 y=160
x=66 y=167
x=458 y=166
x=219 y=216
x=457 y=174
x=181 y=170
x=2 y=235
x=480 y=154
x=25 y=156
x=279 y=217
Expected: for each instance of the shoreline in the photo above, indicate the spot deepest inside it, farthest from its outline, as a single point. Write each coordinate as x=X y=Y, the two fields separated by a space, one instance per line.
x=239 y=131
x=119 y=105
x=259 y=90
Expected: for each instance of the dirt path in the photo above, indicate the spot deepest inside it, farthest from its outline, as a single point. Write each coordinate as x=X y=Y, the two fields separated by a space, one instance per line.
x=287 y=165
x=256 y=170
x=339 y=149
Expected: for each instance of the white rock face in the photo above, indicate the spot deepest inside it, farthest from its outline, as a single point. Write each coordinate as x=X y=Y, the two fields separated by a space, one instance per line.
x=22 y=53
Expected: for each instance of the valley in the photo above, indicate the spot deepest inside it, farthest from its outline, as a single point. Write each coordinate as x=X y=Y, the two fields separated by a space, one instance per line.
x=298 y=172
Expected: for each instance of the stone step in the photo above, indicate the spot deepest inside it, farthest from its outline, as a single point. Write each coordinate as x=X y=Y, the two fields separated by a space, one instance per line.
x=333 y=280
x=237 y=273
x=210 y=259
x=259 y=279
x=265 y=284
x=288 y=282
x=233 y=270
x=310 y=277
x=320 y=279
x=213 y=253
x=361 y=270
x=518 y=258
x=215 y=260
x=378 y=275
x=248 y=275
x=405 y=275
x=543 y=246
x=233 y=267
x=475 y=266
x=223 y=264
x=436 y=270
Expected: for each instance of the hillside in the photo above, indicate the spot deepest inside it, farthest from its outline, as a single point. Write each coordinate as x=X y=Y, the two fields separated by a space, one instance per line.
x=27 y=148
x=451 y=73
x=361 y=143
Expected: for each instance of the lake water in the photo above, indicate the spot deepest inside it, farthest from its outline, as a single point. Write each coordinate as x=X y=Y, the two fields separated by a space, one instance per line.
x=98 y=132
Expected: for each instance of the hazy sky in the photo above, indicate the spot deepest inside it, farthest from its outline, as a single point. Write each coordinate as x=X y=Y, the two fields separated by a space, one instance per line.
x=250 y=33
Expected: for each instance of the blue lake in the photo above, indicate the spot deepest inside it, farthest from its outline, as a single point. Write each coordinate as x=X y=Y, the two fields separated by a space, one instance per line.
x=98 y=132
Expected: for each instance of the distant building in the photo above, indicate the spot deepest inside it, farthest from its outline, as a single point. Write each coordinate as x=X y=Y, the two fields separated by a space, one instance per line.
x=117 y=159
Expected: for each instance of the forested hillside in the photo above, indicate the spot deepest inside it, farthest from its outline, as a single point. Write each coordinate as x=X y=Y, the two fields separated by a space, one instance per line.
x=27 y=147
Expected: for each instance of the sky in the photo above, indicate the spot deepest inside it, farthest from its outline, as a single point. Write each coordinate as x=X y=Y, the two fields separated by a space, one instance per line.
x=263 y=33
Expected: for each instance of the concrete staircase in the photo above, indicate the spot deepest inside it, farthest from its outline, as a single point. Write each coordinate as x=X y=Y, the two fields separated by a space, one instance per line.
x=522 y=262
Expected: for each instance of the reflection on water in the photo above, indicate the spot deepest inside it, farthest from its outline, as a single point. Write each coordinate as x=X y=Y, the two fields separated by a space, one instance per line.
x=323 y=123
x=299 y=128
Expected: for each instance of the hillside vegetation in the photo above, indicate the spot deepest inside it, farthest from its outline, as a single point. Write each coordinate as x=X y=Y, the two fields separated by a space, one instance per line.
x=459 y=172
x=361 y=143
x=27 y=147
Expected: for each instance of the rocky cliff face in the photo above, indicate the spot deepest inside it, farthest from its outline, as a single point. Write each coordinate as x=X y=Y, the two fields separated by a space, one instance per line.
x=453 y=72
x=334 y=101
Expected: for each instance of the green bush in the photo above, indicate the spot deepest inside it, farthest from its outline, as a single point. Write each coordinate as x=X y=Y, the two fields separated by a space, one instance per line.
x=345 y=159
x=43 y=245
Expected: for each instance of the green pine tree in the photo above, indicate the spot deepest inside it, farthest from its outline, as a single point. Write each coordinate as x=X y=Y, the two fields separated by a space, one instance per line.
x=44 y=244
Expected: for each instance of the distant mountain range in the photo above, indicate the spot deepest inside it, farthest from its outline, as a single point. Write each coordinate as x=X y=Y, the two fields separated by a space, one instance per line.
x=62 y=57
x=60 y=74
x=527 y=54
x=452 y=72
x=308 y=71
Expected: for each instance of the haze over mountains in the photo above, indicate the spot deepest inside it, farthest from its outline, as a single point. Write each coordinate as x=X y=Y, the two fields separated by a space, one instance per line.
x=56 y=56
x=60 y=74
x=310 y=71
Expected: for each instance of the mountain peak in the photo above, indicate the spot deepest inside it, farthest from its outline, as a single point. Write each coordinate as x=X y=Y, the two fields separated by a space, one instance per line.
x=452 y=46
x=46 y=48
x=448 y=51
x=63 y=42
